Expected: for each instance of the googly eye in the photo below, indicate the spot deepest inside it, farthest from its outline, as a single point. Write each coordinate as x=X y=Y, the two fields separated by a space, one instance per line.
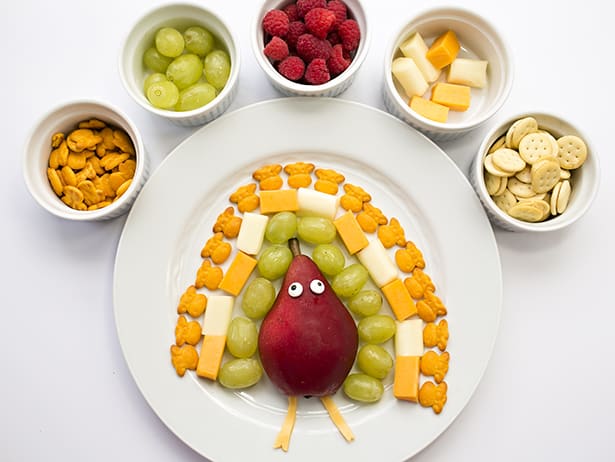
x=317 y=286
x=295 y=289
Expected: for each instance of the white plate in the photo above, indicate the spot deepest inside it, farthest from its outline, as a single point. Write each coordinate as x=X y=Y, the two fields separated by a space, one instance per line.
x=408 y=176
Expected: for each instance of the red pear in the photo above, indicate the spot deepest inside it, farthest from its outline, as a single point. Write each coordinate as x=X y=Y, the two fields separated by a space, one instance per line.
x=308 y=341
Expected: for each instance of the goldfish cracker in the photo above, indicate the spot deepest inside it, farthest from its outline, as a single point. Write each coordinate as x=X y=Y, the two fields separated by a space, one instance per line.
x=187 y=331
x=418 y=283
x=82 y=138
x=434 y=364
x=184 y=358
x=299 y=174
x=228 y=223
x=245 y=198
x=392 y=234
x=436 y=334
x=216 y=249
x=430 y=307
x=328 y=180
x=434 y=396
x=409 y=258
x=370 y=218
x=92 y=123
x=56 y=181
x=269 y=177
x=208 y=276
x=354 y=198
x=192 y=302
x=443 y=50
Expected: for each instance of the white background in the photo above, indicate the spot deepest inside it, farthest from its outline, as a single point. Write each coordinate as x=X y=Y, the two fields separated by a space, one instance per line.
x=66 y=393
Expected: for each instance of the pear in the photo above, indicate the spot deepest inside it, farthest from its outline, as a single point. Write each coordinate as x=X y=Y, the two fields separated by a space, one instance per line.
x=308 y=341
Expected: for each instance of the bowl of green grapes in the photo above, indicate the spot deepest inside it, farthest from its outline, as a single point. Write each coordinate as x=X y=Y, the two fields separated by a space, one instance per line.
x=181 y=62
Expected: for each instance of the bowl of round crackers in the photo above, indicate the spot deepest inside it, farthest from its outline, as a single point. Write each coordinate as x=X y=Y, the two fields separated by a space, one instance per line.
x=535 y=171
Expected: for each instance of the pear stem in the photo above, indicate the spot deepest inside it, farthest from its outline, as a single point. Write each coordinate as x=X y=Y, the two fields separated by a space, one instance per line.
x=295 y=247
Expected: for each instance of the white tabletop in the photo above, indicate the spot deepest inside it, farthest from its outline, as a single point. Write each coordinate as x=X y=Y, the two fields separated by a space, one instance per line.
x=66 y=393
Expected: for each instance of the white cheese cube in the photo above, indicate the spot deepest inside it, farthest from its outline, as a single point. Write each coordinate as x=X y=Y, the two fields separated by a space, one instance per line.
x=218 y=314
x=470 y=72
x=409 y=76
x=416 y=49
x=316 y=203
x=409 y=338
x=378 y=263
x=252 y=232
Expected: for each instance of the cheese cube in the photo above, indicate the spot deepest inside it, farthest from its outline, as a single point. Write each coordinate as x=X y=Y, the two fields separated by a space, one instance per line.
x=409 y=337
x=351 y=233
x=238 y=273
x=455 y=97
x=316 y=203
x=470 y=72
x=218 y=314
x=416 y=49
x=378 y=263
x=443 y=50
x=281 y=200
x=409 y=76
x=406 y=378
x=429 y=109
x=210 y=358
x=399 y=299
x=252 y=232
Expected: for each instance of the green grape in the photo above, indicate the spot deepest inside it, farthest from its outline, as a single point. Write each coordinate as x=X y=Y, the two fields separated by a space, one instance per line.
x=362 y=387
x=241 y=338
x=366 y=303
x=376 y=329
x=163 y=95
x=348 y=282
x=153 y=78
x=375 y=361
x=258 y=298
x=274 y=261
x=198 y=40
x=217 y=68
x=155 y=61
x=329 y=259
x=240 y=373
x=281 y=227
x=316 y=230
x=185 y=70
x=169 y=42
x=195 y=96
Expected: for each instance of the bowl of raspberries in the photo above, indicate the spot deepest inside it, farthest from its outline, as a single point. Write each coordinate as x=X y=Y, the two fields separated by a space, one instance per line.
x=310 y=47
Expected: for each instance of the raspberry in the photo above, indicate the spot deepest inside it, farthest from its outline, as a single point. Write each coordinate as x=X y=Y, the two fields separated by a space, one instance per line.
x=319 y=21
x=337 y=63
x=303 y=6
x=292 y=68
x=317 y=72
x=295 y=29
x=291 y=11
x=340 y=10
x=310 y=47
x=350 y=34
x=276 y=49
x=275 y=22
x=334 y=38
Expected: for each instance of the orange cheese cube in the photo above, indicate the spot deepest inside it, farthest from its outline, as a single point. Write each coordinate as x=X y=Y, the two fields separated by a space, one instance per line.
x=210 y=358
x=443 y=50
x=399 y=298
x=238 y=273
x=406 y=378
x=455 y=97
x=429 y=109
x=351 y=233
x=281 y=200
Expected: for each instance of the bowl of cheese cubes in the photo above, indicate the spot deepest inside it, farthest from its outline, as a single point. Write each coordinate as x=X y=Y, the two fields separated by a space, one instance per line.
x=447 y=71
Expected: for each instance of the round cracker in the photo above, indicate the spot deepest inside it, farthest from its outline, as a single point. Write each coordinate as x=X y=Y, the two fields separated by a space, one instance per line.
x=563 y=196
x=545 y=175
x=564 y=174
x=518 y=130
x=572 y=152
x=526 y=211
x=492 y=183
x=491 y=168
x=553 y=200
x=525 y=175
x=520 y=189
x=502 y=187
x=499 y=143
x=505 y=201
x=535 y=146
x=508 y=160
